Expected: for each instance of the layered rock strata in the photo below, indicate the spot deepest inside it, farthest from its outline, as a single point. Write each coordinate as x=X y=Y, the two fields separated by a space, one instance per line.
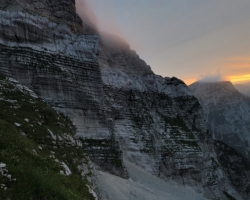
x=159 y=124
x=62 y=11
x=61 y=66
x=119 y=107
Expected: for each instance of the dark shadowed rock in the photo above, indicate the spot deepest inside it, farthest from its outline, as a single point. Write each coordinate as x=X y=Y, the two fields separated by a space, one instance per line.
x=118 y=105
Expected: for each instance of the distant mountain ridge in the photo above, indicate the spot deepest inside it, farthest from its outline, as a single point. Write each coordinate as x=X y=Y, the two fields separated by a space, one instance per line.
x=120 y=108
x=227 y=112
x=243 y=88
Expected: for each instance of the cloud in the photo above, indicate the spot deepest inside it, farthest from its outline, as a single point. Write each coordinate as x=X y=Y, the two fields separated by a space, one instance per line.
x=88 y=17
x=104 y=23
x=178 y=37
x=107 y=28
x=210 y=78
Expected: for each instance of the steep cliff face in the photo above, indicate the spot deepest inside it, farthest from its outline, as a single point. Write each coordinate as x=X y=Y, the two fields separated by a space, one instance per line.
x=50 y=59
x=118 y=105
x=45 y=54
x=62 y=11
x=159 y=124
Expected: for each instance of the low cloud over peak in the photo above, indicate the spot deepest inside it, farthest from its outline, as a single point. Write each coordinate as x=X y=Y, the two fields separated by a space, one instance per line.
x=210 y=78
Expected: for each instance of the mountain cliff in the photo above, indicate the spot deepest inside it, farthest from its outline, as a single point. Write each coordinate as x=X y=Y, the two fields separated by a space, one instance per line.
x=122 y=111
x=227 y=114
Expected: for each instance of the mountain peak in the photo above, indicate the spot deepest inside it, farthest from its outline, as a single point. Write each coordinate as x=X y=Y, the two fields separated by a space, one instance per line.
x=120 y=109
x=221 y=86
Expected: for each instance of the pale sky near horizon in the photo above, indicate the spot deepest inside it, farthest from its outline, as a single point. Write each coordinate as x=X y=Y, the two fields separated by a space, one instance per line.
x=189 y=39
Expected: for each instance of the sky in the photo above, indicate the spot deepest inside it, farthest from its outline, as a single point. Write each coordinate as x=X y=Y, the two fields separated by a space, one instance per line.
x=188 y=39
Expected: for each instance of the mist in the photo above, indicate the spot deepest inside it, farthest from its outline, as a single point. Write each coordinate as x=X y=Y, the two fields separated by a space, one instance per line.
x=86 y=14
x=177 y=37
x=110 y=35
x=210 y=78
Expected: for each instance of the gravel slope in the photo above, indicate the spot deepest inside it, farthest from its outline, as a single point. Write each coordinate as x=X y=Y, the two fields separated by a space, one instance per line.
x=142 y=186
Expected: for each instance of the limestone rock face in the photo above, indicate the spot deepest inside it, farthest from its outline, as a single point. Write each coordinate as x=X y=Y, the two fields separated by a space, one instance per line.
x=62 y=11
x=45 y=54
x=119 y=106
x=158 y=123
x=57 y=64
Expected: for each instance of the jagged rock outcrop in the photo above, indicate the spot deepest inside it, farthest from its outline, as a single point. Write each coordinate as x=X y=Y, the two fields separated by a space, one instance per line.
x=118 y=105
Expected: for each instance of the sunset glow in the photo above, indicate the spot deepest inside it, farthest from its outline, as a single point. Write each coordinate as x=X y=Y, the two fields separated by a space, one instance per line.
x=181 y=38
x=190 y=80
x=240 y=78
x=236 y=65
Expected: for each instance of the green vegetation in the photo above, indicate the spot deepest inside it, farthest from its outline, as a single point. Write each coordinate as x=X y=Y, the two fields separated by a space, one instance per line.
x=31 y=154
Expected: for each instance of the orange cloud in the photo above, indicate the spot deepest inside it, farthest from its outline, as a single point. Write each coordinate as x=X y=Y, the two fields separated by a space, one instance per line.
x=235 y=69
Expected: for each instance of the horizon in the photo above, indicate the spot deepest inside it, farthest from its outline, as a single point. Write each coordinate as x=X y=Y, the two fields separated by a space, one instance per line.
x=188 y=40
x=234 y=82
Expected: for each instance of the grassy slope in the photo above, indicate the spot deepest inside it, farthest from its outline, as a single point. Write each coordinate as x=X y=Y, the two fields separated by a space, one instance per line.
x=30 y=152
